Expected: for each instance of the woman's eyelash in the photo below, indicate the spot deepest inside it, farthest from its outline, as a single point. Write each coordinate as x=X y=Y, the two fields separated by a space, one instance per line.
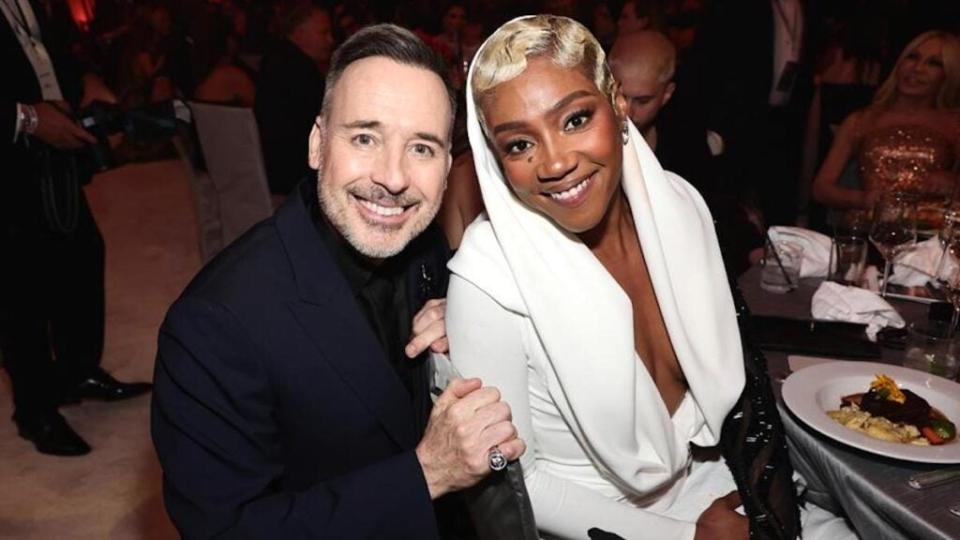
x=513 y=147
x=586 y=114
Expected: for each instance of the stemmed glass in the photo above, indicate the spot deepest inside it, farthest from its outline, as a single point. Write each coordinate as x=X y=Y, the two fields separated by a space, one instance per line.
x=894 y=229
x=948 y=273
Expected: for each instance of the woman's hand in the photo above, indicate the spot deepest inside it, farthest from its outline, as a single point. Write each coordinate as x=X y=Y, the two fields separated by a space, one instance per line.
x=720 y=521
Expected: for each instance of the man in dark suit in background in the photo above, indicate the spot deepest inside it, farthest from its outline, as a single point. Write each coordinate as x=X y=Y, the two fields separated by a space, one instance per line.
x=644 y=63
x=754 y=58
x=289 y=90
x=290 y=399
x=51 y=277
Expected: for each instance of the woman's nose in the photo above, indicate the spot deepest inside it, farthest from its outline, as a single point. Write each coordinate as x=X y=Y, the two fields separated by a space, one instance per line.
x=557 y=163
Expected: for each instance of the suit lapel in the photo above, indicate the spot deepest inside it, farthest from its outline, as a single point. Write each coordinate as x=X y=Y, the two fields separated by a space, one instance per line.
x=340 y=333
x=425 y=259
x=332 y=320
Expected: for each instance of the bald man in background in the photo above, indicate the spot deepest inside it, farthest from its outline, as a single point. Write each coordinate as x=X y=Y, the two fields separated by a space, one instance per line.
x=674 y=125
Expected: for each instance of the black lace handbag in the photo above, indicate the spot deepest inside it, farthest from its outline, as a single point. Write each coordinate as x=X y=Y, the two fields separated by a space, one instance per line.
x=754 y=445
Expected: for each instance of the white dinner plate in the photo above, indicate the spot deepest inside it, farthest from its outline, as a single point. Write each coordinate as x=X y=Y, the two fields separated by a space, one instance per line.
x=811 y=392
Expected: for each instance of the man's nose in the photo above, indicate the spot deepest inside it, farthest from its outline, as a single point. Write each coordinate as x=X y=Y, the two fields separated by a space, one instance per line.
x=389 y=171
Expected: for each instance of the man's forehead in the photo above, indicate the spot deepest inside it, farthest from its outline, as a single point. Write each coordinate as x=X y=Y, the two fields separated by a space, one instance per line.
x=641 y=83
x=383 y=90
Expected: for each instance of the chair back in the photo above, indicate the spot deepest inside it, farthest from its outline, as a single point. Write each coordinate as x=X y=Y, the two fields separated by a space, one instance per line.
x=236 y=194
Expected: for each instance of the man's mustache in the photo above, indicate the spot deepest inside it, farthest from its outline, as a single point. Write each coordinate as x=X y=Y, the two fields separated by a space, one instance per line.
x=379 y=195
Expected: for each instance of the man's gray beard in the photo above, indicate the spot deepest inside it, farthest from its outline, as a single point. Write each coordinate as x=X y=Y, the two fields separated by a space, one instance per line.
x=338 y=218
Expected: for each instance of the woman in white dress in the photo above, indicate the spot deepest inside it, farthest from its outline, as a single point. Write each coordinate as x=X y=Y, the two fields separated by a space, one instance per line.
x=593 y=295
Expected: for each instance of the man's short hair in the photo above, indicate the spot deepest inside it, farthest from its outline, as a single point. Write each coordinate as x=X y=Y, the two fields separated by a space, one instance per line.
x=649 y=50
x=389 y=41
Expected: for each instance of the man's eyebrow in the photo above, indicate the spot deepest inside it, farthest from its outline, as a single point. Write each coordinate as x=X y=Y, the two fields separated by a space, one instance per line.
x=577 y=94
x=362 y=124
x=431 y=137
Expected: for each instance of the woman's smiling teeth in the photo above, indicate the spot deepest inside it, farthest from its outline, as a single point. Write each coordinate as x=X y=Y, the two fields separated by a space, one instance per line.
x=386 y=211
x=571 y=193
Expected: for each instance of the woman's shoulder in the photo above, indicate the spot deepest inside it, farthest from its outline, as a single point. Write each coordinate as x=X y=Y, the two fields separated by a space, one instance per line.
x=859 y=123
x=481 y=262
x=479 y=252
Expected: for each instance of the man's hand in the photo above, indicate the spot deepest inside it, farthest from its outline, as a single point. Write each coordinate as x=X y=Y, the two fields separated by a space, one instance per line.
x=720 y=521
x=429 y=329
x=466 y=422
x=57 y=129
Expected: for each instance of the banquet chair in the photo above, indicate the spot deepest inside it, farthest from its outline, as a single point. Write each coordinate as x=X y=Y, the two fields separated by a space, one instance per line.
x=233 y=194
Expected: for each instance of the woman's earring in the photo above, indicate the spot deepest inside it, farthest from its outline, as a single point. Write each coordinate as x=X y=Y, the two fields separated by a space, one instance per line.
x=626 y=133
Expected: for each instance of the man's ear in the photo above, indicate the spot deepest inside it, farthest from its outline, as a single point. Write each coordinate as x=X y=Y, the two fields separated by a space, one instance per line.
x=449 y=159
x=620 y=106
x=668 y=93
x=315 y=150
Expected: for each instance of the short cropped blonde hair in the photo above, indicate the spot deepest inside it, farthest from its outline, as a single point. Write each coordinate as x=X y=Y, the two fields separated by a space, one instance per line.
x=564 y=41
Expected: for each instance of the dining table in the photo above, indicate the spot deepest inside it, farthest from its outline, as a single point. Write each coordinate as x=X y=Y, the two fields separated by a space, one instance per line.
x=869 y=489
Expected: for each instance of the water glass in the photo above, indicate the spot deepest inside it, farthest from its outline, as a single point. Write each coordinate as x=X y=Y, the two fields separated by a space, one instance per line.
x=848 y=257
x=932 y=348
x=894 y=228
x=781 y=268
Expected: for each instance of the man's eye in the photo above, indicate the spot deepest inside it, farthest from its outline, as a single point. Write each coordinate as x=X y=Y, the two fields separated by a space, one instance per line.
x=363 y=139
x=578 y=119
x=517 y=147
x=423 y=150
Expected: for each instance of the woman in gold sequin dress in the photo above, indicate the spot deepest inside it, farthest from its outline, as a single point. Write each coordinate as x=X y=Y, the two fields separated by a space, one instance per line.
x=908 y=139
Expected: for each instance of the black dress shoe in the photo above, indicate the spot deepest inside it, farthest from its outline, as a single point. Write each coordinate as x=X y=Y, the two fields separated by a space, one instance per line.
x=101 y=385
x=51 y=434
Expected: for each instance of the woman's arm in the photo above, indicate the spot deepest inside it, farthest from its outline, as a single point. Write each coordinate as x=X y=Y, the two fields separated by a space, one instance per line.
x=487 y=341
x=826 y=188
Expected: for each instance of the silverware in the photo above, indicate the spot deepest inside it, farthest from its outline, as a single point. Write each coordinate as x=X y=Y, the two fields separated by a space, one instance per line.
x=935 y=478
x=955 y=510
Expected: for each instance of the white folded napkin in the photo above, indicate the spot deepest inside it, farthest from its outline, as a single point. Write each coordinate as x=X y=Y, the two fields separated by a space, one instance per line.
x=836 y=302
x=918 y=265
x=796 y=362
x=816 y=248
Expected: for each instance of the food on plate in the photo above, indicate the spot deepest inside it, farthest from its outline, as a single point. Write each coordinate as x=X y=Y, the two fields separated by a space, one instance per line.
x=890 y=413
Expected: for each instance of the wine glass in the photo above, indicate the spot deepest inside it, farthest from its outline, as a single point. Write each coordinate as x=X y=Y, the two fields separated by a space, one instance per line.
x=951 y=218
x=948 y=273
x=894 y=229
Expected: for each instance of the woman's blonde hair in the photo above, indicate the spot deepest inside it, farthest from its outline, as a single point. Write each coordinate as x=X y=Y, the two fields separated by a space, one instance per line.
x=567 y=43
x=949 y=95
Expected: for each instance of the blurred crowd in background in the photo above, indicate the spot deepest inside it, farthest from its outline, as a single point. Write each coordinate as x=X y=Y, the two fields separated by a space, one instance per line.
x=763 y=150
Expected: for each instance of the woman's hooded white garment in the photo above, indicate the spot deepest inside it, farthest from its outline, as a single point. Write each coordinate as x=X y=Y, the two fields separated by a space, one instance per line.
x=584 y=323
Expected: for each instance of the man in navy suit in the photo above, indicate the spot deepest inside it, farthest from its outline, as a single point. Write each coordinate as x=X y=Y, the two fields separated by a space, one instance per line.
x=290 y=399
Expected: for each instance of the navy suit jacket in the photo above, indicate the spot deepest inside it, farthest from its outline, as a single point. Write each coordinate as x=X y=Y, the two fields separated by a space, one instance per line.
x=276 y=413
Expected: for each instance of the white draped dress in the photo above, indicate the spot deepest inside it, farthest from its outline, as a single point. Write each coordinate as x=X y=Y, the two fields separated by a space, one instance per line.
x=534 y=313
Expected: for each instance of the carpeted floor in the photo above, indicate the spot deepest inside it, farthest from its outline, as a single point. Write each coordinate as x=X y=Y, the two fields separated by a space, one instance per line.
x=145 y=213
